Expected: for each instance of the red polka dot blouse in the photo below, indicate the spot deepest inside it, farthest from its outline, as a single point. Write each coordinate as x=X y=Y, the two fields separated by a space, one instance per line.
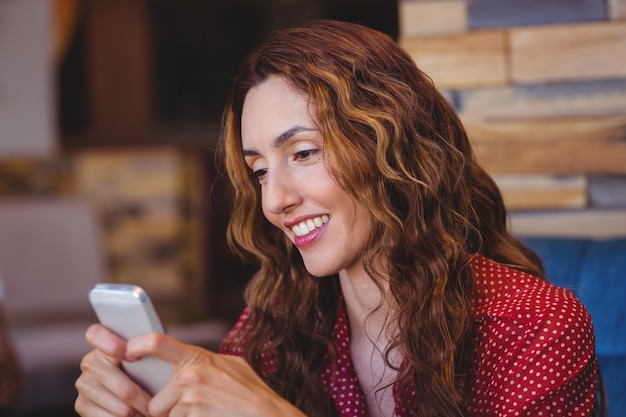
x=534 y=352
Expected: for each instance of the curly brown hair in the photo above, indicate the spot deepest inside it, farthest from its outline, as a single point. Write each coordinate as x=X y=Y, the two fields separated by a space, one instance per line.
x=397 y=146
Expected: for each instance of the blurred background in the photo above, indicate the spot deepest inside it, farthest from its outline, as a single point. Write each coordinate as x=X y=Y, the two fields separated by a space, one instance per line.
x=109 y=117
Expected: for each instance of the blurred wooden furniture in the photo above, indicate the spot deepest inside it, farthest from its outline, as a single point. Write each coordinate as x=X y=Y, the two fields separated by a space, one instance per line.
x=51 y=255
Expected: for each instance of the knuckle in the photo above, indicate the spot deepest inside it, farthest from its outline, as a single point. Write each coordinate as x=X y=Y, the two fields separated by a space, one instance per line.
x=189 y=377
x=80 y=383
x=154 y=341
x=88 y=361
x=123 y=410
x=238 y=360
x=126 y=391
x=191 y=397
x=80 y=406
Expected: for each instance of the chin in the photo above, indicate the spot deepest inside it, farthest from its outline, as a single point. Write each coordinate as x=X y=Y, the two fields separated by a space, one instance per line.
x=318 y=270
x=318 y=274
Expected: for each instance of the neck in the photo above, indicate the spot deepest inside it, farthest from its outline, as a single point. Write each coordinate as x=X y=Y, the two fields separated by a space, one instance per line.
x=369 y=332
x=362 y=297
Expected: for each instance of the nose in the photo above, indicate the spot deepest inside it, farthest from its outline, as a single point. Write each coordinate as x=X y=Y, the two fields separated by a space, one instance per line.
x=280 y=193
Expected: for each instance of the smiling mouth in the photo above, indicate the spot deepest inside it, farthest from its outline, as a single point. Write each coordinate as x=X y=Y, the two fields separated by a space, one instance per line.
x=307 y=226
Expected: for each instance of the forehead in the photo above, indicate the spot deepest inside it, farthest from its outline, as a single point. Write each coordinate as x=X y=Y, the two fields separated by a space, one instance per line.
x=271 y=108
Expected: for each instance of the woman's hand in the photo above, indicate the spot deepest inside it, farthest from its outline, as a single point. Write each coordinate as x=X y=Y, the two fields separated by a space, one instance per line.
x=103 y=388
x=206 y=383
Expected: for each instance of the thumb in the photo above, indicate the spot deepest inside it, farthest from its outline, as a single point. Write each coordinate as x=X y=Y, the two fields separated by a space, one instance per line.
x=163 y=347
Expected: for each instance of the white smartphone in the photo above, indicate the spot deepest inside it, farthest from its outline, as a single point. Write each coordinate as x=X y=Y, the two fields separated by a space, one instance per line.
x=127 y=311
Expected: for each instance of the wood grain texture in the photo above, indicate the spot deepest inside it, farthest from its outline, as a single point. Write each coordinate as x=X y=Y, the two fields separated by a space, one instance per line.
x=542 y=130
x=554 y=146
x=432 y=17
x=568 y=52
x=461 y=61
x=574 y=223
x=521 y=192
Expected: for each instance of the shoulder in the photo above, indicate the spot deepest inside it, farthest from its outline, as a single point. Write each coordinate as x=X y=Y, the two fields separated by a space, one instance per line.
x=534 y=344
x=519 y=315
x=503 y=292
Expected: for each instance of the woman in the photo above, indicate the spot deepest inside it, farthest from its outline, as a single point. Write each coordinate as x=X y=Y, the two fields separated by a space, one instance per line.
x=388 y=284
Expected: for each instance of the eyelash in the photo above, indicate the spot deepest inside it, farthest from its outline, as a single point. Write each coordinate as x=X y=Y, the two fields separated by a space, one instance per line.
x=306 y=153
x=257 y=175
x=300 y=155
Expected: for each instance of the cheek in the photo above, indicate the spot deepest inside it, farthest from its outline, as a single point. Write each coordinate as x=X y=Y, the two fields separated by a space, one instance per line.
x=273 y=218
x=361 y=218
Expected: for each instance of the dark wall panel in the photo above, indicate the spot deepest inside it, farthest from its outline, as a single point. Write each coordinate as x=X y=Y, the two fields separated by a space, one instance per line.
x=502 y=13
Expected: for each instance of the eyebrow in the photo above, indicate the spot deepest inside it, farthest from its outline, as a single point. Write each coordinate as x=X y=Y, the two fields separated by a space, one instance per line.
x=282 y=138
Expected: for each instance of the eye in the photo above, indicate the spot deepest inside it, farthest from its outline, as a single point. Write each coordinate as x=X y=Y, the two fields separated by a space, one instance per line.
x=305 y=154
x=258 y=175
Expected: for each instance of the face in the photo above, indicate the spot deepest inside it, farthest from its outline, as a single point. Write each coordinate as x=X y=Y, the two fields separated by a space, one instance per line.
x=300 y=196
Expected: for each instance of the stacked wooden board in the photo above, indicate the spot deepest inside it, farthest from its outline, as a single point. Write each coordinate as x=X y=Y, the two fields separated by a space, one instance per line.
x=541 y=89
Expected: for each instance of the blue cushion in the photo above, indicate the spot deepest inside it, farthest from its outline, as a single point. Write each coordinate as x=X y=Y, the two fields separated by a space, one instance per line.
x=562 y=259
x=603 y=292
x=595 y=270
x=614 y=375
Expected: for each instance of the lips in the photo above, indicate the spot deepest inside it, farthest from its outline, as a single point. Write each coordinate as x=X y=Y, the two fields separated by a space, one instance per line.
x=307 y=226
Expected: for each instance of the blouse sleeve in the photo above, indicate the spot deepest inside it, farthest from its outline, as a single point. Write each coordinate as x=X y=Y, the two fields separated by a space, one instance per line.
x=537 y=363
x=231 y=345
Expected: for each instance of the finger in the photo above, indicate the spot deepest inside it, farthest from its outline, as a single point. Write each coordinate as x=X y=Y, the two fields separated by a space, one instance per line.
x=183 y=357
x=106 y=341
x=104 y=383
x=94 y=401
x=87 y=409
x=169 y=398
x=164 y=347
x=100 y=405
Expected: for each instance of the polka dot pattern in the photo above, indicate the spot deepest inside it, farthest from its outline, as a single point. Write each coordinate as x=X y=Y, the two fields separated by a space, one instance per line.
x=534 y=352
x=340 y=377
x=535 y=345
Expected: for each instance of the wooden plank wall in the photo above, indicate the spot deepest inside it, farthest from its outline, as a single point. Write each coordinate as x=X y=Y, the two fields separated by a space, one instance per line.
x=541 y=89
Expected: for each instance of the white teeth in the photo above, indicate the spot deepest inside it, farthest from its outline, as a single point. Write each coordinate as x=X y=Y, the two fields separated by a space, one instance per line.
x=307 y=226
